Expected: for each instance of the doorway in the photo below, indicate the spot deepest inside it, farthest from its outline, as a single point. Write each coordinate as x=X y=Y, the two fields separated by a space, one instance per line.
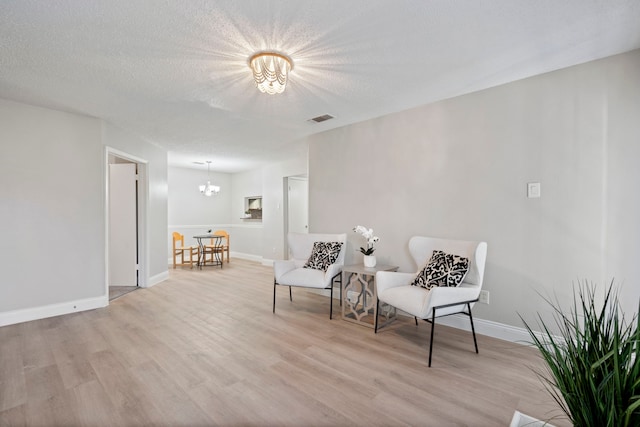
x=297 y=205
x=125 y=219
x=296 y=215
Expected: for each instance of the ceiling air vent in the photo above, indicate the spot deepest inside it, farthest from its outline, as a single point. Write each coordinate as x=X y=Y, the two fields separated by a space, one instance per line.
x=321 y=119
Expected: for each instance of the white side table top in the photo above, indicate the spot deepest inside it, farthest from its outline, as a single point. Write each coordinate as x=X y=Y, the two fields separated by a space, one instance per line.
x=361 y=269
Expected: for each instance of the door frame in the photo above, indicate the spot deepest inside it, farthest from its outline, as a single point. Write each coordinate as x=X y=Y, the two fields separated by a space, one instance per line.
x=142 y=200
x=285 y=203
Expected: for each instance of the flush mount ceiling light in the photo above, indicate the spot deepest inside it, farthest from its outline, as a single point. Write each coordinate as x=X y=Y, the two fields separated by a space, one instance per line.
x=208 y=189
x=270 y=71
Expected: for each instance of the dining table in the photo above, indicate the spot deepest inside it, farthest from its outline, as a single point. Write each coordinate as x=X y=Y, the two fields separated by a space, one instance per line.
x=215 y=248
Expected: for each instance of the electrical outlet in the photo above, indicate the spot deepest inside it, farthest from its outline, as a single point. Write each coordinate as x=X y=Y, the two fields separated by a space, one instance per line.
x=533 y=190
x=484 y=297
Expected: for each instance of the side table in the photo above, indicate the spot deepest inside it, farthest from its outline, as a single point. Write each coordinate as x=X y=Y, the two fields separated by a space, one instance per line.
x=359 y=295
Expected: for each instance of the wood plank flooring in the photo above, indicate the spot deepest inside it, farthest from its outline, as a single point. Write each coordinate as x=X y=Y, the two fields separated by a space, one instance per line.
x=118 y=291
x=203 y=349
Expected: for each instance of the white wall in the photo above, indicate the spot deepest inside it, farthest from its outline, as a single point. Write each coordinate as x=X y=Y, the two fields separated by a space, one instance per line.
x=191 y=213
x=459 y=169
x=247 y=236
x=273 y=177
x=189 y=206
x=52 y=210
x=52 y=175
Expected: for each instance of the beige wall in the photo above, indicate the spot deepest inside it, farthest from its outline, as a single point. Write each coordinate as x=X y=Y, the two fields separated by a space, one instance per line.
x=459 y=169
x=621 y=249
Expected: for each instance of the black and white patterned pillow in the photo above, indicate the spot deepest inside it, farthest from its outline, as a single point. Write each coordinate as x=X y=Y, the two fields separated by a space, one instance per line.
x=443 y=269
x=323 y=255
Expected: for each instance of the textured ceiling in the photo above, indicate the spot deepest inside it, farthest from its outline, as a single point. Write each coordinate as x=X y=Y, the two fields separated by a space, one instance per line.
x=175 y=72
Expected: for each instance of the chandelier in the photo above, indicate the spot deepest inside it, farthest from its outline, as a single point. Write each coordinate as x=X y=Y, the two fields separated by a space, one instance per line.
x=208 y=189
x=270 y=71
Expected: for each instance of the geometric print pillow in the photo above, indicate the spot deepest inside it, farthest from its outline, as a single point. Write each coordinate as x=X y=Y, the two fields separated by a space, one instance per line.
x=323 y=255
x=443 y=269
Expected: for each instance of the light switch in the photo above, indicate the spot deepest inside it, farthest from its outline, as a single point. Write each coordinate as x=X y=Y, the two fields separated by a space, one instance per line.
x=533 y=190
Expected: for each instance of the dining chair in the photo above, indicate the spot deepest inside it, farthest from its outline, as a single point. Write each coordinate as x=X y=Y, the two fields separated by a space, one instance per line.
x=225 y=244
x=214 y=251
x=179 y=249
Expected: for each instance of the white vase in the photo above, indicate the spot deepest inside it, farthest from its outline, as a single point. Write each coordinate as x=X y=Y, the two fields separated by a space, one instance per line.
x=370 y=261
x=521 y=420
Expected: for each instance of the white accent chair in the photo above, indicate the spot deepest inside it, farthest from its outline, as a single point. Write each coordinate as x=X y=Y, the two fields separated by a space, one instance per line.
x=395 y=288
x=291 y=273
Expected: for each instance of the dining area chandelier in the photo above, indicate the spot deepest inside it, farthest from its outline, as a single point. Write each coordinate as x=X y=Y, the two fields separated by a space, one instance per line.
x=208 y=189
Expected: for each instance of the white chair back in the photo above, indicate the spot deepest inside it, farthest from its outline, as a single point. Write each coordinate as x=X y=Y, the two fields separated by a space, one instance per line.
x=421 y=249
x=301 y=244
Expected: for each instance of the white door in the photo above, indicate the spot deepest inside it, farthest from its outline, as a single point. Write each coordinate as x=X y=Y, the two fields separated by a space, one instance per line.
x=298 y=205
x=122 y=225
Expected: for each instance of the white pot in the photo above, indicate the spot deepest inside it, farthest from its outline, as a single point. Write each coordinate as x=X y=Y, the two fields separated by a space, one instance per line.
x=522 y=420
x=370 y=261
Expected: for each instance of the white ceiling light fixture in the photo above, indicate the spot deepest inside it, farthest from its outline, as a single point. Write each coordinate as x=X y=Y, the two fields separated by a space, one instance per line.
x=208 y=189
x=270 y=71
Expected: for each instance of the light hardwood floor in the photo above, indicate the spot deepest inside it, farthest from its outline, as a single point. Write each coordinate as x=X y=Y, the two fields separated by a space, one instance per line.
x=203 y=348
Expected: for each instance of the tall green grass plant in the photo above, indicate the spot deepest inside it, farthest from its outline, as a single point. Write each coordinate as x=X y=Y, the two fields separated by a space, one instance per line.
x=593 y=362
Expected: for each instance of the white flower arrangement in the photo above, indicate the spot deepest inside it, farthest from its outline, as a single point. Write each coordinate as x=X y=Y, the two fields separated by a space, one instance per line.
x=367 y=233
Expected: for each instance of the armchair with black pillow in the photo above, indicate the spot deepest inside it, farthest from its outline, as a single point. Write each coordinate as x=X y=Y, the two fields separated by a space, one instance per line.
x=315 y=261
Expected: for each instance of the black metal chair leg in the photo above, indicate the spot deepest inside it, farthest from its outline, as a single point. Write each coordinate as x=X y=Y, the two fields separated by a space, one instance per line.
x=331 y=302
x=375 y=321
x=274 y=296
x=290 y=297
x=473 y=331
x=416 y=319
x=433 y=326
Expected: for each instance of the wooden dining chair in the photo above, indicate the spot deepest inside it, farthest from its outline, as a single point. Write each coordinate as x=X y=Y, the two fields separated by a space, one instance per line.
x=179 y=249
x=214 y=252
x=225 y=244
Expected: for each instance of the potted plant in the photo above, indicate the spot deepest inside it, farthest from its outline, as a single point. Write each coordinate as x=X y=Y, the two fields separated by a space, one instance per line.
x=369 y=259
x=593 y=365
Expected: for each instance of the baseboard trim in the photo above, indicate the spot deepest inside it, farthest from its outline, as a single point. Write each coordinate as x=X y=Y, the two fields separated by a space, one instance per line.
x=35 y=313
x=154 y=280
x=248 y=257
x=204 y=228
x=488 y=328
x=459 y=321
